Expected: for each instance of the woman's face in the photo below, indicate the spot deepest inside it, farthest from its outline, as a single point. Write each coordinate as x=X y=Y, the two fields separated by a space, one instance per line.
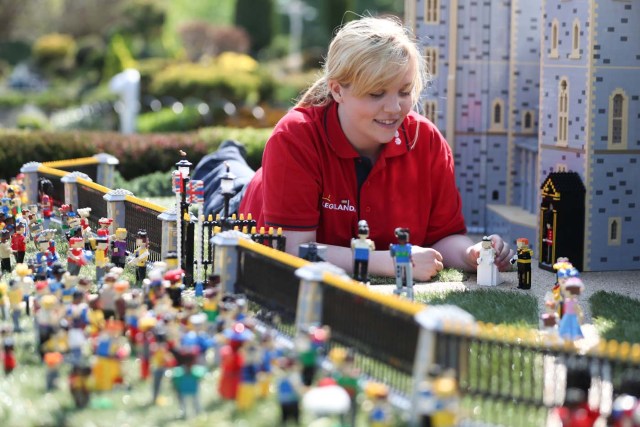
x=372 y=119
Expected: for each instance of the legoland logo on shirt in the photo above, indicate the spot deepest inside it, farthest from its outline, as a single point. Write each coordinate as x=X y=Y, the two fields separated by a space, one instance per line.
x=344 y=205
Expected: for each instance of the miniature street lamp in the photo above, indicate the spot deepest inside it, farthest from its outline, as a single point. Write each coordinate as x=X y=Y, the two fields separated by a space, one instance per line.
x=226 y=188
x=184 y=169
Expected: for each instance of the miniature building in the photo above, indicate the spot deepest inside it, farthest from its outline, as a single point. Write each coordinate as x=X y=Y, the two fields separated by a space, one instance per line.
x=515 y=108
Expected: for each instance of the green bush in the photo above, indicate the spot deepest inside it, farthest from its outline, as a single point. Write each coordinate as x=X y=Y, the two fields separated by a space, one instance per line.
x=166 y=120
x=157 y=184
x=54 y=51
x=231 y=76
x=32 y=121
x=138 y=154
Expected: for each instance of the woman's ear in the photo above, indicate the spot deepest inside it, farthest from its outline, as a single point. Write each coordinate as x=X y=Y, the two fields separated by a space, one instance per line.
x=336 y=90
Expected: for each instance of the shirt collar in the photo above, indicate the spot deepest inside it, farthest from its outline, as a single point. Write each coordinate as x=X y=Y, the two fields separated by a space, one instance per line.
x=338 y=141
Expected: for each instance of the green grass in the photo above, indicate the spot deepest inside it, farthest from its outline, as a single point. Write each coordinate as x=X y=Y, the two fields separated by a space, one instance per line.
x=490 y=306
x=616 y=316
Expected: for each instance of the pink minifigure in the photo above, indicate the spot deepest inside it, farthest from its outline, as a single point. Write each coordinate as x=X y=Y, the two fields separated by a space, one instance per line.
x=569 y=328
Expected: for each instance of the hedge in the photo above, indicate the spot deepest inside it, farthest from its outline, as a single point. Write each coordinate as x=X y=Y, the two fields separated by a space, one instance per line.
x=138 y=154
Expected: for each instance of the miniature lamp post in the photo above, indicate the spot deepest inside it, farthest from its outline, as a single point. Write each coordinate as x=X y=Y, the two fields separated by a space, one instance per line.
x=181 y=180
x=226 y=188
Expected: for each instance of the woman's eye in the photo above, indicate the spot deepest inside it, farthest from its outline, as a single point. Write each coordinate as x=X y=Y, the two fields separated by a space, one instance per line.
x=376 y=95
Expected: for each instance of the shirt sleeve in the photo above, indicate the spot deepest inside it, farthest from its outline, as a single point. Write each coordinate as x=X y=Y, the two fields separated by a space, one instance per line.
x=291 y=176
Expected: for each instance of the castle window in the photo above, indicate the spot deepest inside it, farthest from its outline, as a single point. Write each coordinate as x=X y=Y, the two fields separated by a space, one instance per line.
x=527 y=121
x=431 y=58
x=563 y=113
x=554 y=39
x=432 y=11
x=614 y=237
x=497 y=116
x=618 y=123
x=575 y=40
x=430 y=110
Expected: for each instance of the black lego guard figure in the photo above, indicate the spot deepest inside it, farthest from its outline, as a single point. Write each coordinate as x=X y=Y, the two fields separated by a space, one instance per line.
x=523 y=259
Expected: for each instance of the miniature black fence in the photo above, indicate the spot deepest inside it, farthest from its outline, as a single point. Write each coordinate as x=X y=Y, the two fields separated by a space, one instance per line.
x=141 y=217
x=269 y=282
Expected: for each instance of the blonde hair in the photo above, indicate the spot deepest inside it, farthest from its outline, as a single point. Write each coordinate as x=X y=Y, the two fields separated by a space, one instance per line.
x=366 y=55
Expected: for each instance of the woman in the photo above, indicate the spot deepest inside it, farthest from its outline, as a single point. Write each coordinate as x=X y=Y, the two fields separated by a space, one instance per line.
x=353 y=149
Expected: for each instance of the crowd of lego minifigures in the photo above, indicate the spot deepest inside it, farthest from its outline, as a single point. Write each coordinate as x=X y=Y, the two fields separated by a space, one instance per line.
x=92 y=325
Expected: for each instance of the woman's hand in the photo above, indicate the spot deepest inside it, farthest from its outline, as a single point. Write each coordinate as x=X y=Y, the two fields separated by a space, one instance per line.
x=427 y=263
x=503 y=252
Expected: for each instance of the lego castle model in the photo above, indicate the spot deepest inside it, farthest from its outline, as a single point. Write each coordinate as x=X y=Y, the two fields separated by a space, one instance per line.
x=540 y=102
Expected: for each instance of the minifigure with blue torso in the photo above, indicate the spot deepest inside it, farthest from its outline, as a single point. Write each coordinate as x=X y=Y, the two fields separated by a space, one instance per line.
x=362 y=247
x=403 y=262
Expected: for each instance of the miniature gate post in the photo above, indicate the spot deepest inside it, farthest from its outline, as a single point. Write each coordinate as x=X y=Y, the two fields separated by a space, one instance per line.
x=30 y=171
x=70 y=182
x=169 y=232
x=309 y=308
x=115 y=207
x=431 y=320
x=106 y=166
x=226 y=260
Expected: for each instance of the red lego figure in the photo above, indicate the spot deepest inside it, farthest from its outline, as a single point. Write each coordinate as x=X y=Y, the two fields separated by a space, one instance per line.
x=19 y=242
x=231 y=360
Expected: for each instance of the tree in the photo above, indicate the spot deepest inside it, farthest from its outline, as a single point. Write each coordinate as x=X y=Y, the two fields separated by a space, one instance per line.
x=255 y=16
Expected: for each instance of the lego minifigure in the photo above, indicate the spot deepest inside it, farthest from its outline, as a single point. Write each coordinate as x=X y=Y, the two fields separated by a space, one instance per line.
x=76 y=257
x=174 y=277
x=15 y=303
x=362 y=248
x=161 y=360
x=101 y=258
x=19 y=242
x=88 y=236
x=289 y=388
x=247 y=389
x=47 y=316
x=8 y=344
x=186 y=381
x=381 y=414
x=104 y=224
x=5 y=251
x=403 y=262
x=523 y=258
x=140 y=256
x=53 y=360
x=488 y=274
x=77 y=314
x=119 y=248
x=347 y=376
x=569 y=327
x=111 y=349
x=46 y=201
x=79 y=379
x=231 y=360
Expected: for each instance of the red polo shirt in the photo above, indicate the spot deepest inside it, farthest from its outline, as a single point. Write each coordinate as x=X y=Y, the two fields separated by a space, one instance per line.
x=308 y=182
